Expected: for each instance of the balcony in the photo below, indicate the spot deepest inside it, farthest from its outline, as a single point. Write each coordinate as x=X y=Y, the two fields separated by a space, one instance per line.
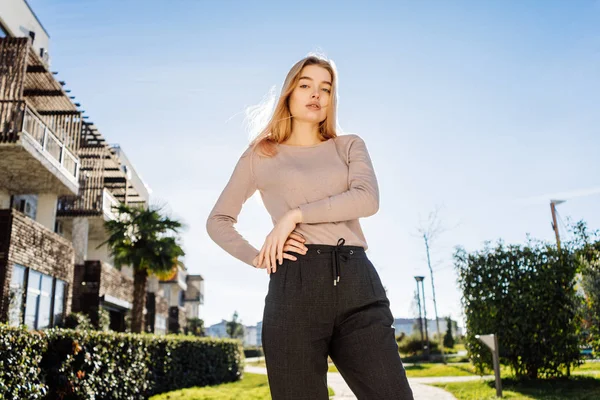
x=103 y=181
x=198 y=298
x=39 y=125
x=44 y=138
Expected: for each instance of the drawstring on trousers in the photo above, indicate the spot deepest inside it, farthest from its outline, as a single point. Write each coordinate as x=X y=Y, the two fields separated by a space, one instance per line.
x=338 y=254
x=336 y=260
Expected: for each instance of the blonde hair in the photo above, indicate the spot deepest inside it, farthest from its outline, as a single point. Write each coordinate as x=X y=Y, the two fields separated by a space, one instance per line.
x=279 y=128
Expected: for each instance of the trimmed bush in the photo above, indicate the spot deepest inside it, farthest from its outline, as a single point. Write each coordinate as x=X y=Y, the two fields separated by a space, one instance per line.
x=79 y=321
x=526 y=295
x=253 y=351
x=87 y=364
x=413 y=345
x=180 y=361
x=20 y=354
x=84 y=364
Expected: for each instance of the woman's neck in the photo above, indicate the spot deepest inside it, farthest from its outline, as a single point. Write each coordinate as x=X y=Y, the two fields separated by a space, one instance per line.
x=304 y=134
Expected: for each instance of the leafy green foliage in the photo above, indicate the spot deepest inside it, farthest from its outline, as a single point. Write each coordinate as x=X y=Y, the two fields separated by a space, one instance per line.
x=78 y=321
x=146 y=240
x=588 y=258
x=413 y=345
x=526 y=296
x=195 y=326
x=20 y=354
x=77 y=365
x=448 y=338
x=234 y=328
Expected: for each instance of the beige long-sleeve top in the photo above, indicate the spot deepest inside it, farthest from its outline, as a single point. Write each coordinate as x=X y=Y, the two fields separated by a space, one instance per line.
x=333 y=183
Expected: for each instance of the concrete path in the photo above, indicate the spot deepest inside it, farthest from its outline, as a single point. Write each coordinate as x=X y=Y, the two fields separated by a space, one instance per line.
x=420 y=390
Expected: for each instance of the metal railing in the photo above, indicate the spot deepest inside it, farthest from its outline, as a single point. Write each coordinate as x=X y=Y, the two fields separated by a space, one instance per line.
x=49 y=143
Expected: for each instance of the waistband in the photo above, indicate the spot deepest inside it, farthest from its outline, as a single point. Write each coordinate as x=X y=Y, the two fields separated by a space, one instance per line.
x=337 y=254
x=325 y=251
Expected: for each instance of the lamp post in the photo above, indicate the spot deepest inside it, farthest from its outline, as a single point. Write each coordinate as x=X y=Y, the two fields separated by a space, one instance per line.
x=420 y=279
x=553 y=204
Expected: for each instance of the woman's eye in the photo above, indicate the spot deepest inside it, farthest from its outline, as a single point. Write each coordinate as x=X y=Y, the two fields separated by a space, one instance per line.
x=327 y=90
x=302 y=86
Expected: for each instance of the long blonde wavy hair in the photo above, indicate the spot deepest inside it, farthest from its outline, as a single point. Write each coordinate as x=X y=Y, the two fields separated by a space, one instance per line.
x=279 y=128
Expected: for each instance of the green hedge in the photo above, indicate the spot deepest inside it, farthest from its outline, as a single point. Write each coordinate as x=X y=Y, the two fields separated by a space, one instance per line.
x=184 y=361
x=20 y=355
x=73 y=365
x=253 y=351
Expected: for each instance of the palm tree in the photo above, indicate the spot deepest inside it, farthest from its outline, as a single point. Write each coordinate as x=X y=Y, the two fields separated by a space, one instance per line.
x=143 y=238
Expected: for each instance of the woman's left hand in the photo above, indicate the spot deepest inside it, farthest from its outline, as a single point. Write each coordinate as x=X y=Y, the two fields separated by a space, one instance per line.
x=272 y=249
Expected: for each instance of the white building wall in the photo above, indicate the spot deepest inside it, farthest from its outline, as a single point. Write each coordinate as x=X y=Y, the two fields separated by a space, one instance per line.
x=101 y=254
x=19 y=20
x=46 y=210
x=250 y=338
x=4 y=200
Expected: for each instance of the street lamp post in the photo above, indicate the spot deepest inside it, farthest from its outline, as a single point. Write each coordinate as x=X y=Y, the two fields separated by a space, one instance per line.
x=553 y=204
x=419 y=305
x=421 y=279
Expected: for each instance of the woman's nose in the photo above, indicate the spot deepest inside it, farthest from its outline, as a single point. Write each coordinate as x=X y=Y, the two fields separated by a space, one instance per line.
x=315 y=94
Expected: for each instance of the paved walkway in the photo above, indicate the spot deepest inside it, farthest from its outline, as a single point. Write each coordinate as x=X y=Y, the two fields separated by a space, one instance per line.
x=420 y=390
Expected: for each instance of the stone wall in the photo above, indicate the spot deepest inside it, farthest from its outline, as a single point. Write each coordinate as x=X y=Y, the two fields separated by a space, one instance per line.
x=114 y=283
x=28 y=243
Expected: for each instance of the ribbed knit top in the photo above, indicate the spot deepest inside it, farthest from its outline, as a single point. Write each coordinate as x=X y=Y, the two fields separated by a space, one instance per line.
x=332 y=182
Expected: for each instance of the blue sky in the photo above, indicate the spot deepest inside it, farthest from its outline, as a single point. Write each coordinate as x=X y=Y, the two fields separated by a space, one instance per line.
x=486 y=109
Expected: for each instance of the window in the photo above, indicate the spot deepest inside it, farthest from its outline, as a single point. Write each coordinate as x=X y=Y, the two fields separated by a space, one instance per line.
x=3 y=32
x=44 y=305
x=16 y=294
x=33 y=298
x=59 y=302
x=26 y=203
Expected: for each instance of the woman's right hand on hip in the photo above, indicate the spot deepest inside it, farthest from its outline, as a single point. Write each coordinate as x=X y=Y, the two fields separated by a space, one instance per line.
x=294 y=242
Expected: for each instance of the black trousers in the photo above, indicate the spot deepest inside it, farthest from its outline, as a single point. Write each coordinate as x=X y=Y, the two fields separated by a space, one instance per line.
x=330 y=302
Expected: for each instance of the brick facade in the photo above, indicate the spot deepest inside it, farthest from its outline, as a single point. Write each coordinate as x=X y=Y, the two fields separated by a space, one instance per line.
x=26 y=242
x=114 y=283
x=93 y=281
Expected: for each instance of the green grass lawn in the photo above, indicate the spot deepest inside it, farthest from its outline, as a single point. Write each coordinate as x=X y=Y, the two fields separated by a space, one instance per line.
x=423 y=370
x=577 y=388
x=589 y=368
x=428 y=370
x=252 y=387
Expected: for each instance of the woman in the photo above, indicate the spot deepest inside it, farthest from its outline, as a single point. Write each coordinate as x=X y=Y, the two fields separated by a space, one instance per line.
x=328 y=300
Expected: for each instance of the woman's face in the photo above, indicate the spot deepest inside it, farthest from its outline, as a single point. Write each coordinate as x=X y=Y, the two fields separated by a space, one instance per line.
x=314 y=87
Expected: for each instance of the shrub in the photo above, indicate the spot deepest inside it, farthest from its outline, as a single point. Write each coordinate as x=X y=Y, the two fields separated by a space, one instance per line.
x=86 y=364
x=78 y=321
x=413 y=346
x=526 y=296
x=253 y=351
x=20 y=355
